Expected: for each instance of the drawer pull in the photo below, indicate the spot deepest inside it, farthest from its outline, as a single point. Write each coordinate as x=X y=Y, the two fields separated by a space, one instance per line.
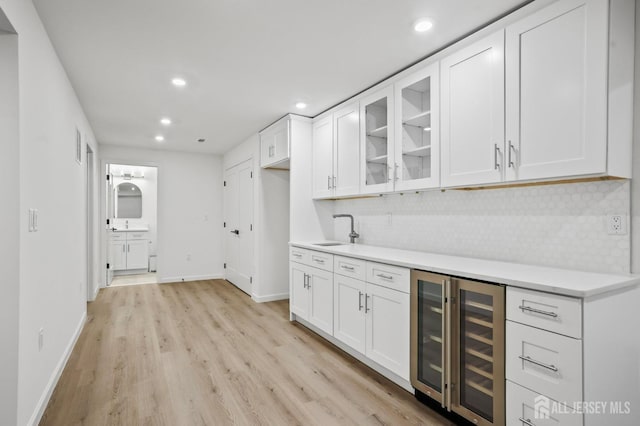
x=527 y=422
x=321 y=261
x=298 y=255
x=538 y=311
x=541 y=364
x=386 y=277
x=347 y=267
x=360 y=300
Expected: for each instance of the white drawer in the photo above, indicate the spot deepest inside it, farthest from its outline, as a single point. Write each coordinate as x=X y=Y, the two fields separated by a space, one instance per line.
x=394 y=277
x=118 y=236
x=350 y=267
x=525 y=406
x=545 y=362
x=321 y=260
x=299 y=255
x=560 y=314
x=132 y=236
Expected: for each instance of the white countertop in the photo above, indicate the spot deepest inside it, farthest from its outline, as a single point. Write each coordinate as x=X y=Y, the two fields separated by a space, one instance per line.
x=553 y=280
x=132 y=230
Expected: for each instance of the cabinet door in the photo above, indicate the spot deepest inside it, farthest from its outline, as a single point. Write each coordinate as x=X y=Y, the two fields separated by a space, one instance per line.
x=274 y=143
x=346 y=126
x=388 y=328
x=137 y=254
x=118 y=255
x=320 y=286
x=557 y=91
x=377 y=136
x=472 y=143
x=299 y=295
x=322 y=162
x=417 y=147
x=348 y=311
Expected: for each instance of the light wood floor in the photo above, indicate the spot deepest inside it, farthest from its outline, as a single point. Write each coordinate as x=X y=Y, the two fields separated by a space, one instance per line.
x=203 y=353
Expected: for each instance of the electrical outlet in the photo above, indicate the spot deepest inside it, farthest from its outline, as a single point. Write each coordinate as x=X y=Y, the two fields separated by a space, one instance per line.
x=40 y=339
x=617 y=224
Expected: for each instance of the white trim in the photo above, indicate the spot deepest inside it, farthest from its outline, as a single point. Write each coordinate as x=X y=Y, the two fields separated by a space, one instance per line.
x=53 y=381
x=96 y=290
x=186 y=278
x=270 y=297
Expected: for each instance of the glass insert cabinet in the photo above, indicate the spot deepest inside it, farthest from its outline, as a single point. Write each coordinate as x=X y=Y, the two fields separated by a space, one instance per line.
x=457 y=345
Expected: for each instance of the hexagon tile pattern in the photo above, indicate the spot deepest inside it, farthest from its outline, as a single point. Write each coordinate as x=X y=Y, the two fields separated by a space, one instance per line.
x=561 y=225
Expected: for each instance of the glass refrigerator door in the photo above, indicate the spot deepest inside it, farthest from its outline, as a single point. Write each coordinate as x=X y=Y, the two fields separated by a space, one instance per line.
x=479 y=336
x=428 y=334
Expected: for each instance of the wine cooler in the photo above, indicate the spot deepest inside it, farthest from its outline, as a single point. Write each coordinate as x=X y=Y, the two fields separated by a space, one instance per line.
x=457 y=345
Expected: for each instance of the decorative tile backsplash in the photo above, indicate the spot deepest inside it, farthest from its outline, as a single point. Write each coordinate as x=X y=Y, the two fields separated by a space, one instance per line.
x=560 y=225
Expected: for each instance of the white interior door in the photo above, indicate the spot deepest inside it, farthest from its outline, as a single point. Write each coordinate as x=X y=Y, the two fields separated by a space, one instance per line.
x=238 y=206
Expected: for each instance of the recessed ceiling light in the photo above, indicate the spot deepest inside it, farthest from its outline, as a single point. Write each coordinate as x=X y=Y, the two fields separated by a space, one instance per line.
x=179 y=82
x=159 y=138
x=301 y=105
x=422 y=25
x=165 y=121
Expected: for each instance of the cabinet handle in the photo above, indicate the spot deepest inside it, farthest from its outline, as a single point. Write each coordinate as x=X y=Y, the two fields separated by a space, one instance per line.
x=511 y=148
x=536 y=362
x=308 y=281
x=328 y=182
x=395 y=172
x=347 y=267
x=304 y=281
x=389 y=174
x=366 y=303
x=298 y=255
x=496 y=151
x=526 y=422
x=359 y=300
x=386 y=277
x=538 y=311
x=320 y=261
x=124 y=250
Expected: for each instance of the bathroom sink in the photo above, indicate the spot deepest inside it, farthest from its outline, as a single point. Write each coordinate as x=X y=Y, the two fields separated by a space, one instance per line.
x=329 y=244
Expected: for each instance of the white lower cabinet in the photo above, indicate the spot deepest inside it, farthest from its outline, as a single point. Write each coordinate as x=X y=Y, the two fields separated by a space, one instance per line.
x=118 y=255
x=137 y=254
x=311 y=296
x=128 y=251
x=374 y=320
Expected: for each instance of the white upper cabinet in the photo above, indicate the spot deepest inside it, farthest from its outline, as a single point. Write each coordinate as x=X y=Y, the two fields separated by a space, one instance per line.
x=336 y=153
x=322 y=152
x=346 y=150
x=417 y=139
x=274 y=144
x=377 y=135
x=472 y=108
x=556 y=81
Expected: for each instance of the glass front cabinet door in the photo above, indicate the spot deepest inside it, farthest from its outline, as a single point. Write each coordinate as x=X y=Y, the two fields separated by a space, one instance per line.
x=377 y=137
x=417 y=149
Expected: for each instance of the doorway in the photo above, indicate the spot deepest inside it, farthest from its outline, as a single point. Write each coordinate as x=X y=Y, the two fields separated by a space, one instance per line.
x=238 y=213
x=132 y=204
x=92 y=285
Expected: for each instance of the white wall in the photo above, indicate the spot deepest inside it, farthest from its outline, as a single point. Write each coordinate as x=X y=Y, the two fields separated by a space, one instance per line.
x=189 y=210
x=635 y=184
x=52 y=261
x=9 y=217
x=149 y=188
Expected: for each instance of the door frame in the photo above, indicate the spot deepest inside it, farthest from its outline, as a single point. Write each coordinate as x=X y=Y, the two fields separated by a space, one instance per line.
x=104 y=236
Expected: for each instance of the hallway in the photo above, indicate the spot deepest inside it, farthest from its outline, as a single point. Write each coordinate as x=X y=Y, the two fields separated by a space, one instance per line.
x=203 y=353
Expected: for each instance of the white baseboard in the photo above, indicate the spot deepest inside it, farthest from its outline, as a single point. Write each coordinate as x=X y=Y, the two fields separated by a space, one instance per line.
x=270 y=297
x=186 y=278
x=53 y=381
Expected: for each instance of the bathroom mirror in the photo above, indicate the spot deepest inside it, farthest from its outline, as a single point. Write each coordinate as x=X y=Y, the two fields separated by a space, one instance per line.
x=129 y=201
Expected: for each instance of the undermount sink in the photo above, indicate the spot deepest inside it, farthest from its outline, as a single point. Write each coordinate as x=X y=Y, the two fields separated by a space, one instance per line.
x=329 y=244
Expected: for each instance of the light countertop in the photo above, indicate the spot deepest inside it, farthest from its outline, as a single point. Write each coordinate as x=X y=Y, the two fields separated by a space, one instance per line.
x=553 y=280
x=131 y=230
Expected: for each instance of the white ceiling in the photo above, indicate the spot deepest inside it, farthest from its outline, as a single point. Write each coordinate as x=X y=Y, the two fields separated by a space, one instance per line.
x=247 y=62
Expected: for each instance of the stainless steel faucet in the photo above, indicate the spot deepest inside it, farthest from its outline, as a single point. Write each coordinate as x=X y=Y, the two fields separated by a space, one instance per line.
x=353 y=234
